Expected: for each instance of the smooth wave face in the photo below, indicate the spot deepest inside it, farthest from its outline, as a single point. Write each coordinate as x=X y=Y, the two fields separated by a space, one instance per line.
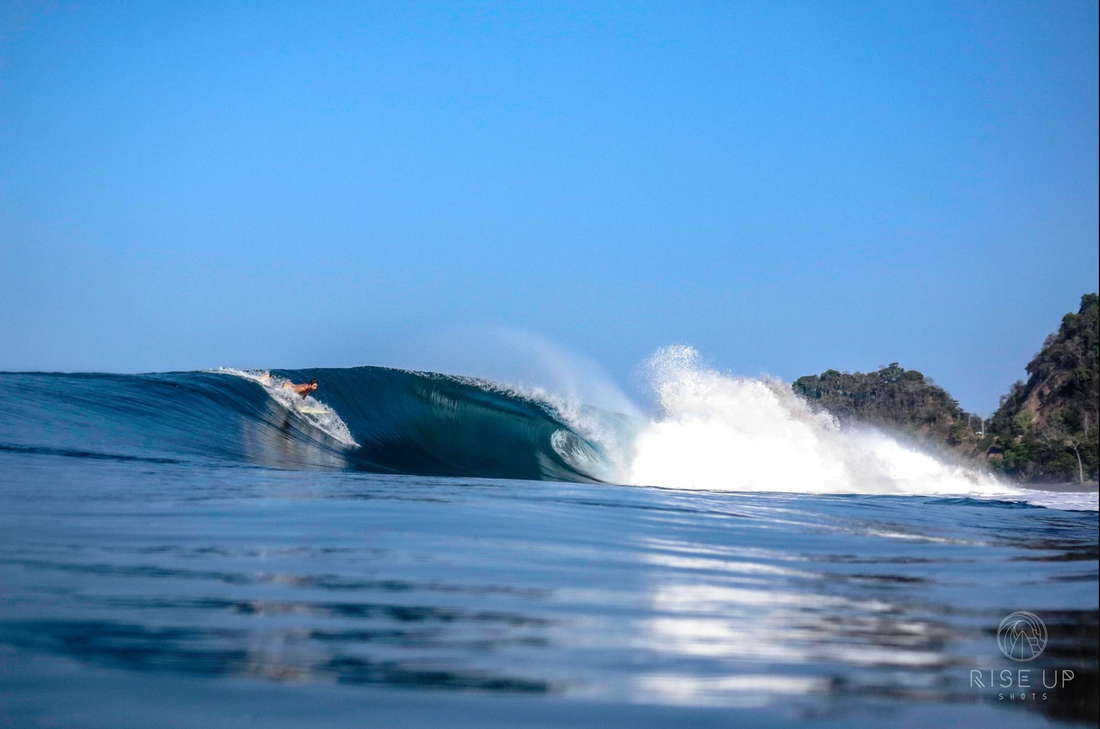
x=365 y=418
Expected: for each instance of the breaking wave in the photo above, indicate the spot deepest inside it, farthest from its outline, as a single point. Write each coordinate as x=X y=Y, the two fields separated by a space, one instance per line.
x=712 y=431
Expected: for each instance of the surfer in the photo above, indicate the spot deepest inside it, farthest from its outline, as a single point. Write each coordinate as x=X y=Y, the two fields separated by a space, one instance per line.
x=302 y=390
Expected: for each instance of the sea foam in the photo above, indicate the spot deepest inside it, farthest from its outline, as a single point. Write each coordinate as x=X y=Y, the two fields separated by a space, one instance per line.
x=725 y=433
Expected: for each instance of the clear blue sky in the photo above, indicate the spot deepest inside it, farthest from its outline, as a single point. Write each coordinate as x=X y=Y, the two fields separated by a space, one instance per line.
x=790 y=187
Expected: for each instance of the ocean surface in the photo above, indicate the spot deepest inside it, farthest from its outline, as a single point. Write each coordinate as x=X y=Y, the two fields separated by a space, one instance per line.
x=207 y=549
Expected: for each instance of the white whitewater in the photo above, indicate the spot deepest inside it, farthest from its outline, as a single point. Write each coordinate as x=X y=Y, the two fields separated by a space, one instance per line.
x=724 y=433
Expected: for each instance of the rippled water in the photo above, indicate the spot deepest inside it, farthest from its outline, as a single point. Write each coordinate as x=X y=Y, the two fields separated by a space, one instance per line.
x=140 y=593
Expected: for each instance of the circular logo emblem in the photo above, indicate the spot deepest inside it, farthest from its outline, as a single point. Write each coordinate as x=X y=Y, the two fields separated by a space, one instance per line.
x=1022 y=636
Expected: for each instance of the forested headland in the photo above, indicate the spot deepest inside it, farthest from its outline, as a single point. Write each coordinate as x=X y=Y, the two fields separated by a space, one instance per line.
x=1044 y=430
